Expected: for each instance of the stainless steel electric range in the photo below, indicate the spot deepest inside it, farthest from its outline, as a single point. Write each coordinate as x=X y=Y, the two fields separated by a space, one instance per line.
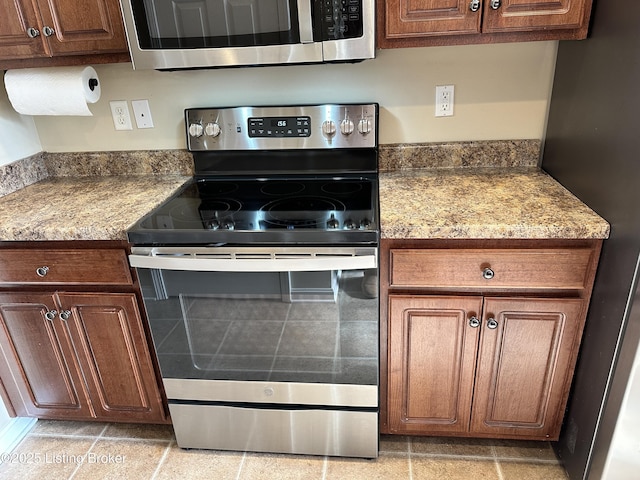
x=260 y=281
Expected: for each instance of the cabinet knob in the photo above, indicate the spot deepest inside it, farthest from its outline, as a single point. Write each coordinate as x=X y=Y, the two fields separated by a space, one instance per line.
x=488 y=273
x=42 y=271
x=474 y=322
x=65 y=315
x=33 y=32
x=495 y=4
x=474 y=5
x=50 y=315
x=492 y=323
x=48 y=31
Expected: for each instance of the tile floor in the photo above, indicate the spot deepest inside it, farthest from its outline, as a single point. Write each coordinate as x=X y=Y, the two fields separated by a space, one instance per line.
x=77 y=450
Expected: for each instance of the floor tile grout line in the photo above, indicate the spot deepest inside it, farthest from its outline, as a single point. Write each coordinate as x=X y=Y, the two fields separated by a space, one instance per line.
x=496 y=462
x=244 y=456
x=165 y=454
x=75 y=470
x=538 y=461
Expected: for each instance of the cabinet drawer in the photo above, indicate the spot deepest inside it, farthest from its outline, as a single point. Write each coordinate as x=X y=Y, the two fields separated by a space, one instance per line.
x=554 y=268
x=58 y=266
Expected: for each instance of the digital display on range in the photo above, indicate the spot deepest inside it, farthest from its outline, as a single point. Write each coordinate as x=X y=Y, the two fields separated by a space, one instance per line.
x=279 y=126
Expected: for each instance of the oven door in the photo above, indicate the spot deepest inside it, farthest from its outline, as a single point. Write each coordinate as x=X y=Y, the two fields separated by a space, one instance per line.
x=165 y=34
x=295 y=326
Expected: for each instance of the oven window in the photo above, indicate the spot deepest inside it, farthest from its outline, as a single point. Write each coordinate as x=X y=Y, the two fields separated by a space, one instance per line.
x=178 y=24
x=311 y=327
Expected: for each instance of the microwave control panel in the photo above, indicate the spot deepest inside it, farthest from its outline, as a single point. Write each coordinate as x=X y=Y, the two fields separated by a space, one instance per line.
x=341 y=19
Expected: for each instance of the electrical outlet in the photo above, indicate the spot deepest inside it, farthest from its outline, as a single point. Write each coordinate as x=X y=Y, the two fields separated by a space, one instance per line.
x=142 y=113
x=120 y=114
x=444 y=100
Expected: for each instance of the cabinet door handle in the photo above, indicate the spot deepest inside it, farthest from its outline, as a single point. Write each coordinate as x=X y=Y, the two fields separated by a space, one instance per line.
x=65 y=315
x=33 y=32
x=495 y=4
x=48 y=31
x=474 y=5
x=42 y=271
x=474 y=322
x=492 y=323
x=50 y=315
x=488 y=273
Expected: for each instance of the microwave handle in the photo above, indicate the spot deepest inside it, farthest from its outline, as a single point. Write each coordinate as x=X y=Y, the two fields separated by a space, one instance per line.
x=304 y=21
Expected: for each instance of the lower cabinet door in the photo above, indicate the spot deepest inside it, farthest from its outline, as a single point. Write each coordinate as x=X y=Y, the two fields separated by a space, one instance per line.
x=525 y=365
x=112 y=350
x=38 y=368
x=433 y=343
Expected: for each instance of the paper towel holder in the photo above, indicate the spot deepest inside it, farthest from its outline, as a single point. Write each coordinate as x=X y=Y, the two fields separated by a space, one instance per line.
x=93 y=83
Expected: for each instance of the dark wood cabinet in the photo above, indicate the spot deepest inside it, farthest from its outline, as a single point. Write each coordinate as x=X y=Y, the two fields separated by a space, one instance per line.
x=467 y=356
x=39 y=367
x=405 y=23
x=78 y=354
x=431 y=363
x=61 y=32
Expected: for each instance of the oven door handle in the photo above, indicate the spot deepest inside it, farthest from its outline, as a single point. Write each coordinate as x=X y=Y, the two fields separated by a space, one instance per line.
x=282 y=264
x=305 y=21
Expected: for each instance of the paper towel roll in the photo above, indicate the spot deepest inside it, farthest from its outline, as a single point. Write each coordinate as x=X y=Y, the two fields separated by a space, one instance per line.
x=52 y=91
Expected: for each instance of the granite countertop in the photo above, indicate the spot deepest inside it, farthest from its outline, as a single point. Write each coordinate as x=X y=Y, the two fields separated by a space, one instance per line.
x=482 y=203
x=83 y=208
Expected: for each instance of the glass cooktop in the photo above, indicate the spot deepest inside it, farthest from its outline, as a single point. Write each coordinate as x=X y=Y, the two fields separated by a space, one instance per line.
x=274 y=210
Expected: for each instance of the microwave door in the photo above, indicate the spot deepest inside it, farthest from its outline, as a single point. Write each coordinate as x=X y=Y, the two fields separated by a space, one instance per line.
x=154 y=44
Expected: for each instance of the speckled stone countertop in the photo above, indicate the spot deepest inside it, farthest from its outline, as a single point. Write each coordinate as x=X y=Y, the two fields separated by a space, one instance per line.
x=482 y=203
x=82 y=208
x=474 y=190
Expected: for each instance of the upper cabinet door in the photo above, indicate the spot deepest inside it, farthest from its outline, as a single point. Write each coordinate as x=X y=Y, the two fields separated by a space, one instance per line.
x=20 y=34
x=528 y=15
x=82 y=26
x=406 y=18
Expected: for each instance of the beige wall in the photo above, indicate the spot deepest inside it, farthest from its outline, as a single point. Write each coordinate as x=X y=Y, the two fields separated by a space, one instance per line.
x=502 y=92
x=18 y=135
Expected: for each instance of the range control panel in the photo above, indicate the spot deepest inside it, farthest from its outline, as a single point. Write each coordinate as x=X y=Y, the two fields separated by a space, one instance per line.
x=289 y=127
x=280 y=127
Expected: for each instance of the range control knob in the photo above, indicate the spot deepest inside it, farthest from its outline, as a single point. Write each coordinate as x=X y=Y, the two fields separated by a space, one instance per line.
x=333 y=222
x=229 y=225
x=349 y=224
x=365 y=223
x=364 y=126
x=328 y=128
x=212 y=129
x=196 y=130
x=346 y=126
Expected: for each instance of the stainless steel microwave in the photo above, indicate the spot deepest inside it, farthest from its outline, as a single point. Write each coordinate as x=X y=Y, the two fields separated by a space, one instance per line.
x=177 y=34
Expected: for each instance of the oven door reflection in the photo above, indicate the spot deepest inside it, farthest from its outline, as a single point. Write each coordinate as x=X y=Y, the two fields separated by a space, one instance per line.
x=307 y=327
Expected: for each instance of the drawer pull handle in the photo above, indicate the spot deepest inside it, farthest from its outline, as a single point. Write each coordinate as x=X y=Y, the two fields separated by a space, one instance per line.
x=48 y=31
x=474 y=6
x=495 y=4
x=488 y=273
x=42 y=271
x=474 y=322
x=492 y=323
x=65 y=314
x=33 y=32
x=50 y=315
